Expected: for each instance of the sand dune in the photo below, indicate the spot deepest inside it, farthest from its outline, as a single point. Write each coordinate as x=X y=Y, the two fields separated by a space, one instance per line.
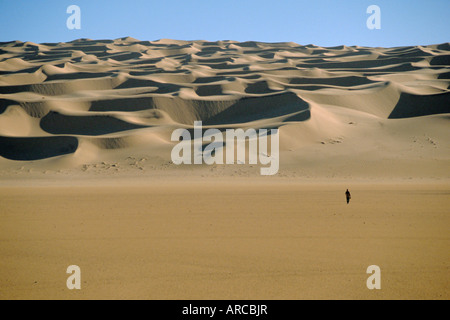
x=68 y=94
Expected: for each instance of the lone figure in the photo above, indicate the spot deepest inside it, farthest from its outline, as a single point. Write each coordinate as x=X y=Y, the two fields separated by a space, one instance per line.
x=348 y=196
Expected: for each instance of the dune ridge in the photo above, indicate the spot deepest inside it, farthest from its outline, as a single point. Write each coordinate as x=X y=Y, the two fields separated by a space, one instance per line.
x=69 y=98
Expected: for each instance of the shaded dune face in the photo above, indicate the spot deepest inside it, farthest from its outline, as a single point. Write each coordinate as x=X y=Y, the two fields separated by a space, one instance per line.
x=28 y=149
x=212 y=112
x=109 y=89
x=4 y=103
x=56 y=123
x=425 y=105
x=288 y=106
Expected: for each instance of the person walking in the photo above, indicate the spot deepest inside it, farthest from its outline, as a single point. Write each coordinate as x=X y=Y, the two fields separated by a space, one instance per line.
x=348 y=196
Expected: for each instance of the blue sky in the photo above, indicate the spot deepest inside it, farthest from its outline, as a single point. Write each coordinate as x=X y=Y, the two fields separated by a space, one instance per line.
x=320 y=22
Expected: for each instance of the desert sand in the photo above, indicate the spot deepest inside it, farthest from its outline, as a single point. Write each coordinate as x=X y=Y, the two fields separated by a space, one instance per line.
x=86 y=176
x=226 y=241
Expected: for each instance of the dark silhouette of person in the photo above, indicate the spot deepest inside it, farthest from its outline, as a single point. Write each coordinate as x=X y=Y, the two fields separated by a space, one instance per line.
x=348 y=196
